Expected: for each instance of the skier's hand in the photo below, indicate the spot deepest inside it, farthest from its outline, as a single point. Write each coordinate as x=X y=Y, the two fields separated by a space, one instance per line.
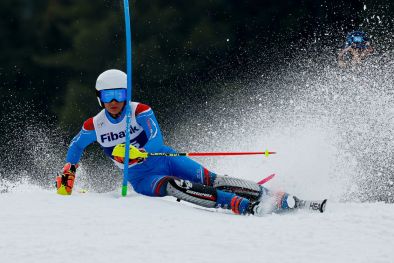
x=140 y=159
x=131 y=161
x=65 y=181
x=341 y=64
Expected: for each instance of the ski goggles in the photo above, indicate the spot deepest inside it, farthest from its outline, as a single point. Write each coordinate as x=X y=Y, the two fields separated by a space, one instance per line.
x=108 y=95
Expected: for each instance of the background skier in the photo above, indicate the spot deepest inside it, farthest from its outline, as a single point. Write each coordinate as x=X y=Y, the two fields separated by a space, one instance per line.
x=358 y=46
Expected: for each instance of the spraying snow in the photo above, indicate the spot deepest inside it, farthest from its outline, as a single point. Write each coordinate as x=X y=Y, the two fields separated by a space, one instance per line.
x=333 y=130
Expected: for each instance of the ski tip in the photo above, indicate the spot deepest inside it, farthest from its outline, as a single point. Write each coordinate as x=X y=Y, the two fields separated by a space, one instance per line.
x=323 y=206
x=263 y=181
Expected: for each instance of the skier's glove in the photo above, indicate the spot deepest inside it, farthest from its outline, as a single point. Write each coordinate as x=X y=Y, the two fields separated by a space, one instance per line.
x=65 y=181
x=140 y=159
x=131 y=161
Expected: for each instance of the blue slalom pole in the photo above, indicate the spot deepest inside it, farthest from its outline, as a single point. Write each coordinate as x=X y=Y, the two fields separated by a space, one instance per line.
x=129 y=90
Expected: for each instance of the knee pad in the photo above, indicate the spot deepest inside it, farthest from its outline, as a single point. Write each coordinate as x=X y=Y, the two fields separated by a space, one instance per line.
x=195 y=193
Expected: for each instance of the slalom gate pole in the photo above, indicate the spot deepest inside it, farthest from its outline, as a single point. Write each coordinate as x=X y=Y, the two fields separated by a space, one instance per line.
x=129 y=91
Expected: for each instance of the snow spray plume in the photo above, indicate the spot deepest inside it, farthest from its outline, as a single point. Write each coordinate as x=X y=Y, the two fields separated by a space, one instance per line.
x=34 y=152
x=333 y=129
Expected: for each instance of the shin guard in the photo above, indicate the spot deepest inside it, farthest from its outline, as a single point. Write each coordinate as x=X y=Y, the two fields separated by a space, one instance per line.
x=241 y=187
x=195 y=193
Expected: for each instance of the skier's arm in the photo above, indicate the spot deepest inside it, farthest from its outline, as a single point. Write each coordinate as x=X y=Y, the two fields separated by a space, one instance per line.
x=86 y=136
x=146 y=118
x=341 y=59
x=368 y=50
x=342 y=53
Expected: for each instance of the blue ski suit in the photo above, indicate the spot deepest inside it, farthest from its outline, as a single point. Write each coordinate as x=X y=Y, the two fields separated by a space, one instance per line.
x=149 y=177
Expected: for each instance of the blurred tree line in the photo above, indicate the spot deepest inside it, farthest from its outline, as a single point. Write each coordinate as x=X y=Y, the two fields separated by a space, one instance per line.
x=51 y=51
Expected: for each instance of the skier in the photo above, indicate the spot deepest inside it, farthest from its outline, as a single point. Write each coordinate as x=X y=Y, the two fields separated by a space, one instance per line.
x=179 y=177
x=358 y=45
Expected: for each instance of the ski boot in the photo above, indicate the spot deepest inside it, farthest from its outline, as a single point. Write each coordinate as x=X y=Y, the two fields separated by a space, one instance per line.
x=285 y=203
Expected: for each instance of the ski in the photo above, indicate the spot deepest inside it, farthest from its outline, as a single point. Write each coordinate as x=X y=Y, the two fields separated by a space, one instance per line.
x=266 y=179
x=311 y=205
x=302 y=204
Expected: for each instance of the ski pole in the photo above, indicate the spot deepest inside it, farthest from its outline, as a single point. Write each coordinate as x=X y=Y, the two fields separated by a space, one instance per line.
x=119 y=151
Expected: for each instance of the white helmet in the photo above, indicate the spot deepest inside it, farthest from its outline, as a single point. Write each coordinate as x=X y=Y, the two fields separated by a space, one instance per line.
x=110 y=79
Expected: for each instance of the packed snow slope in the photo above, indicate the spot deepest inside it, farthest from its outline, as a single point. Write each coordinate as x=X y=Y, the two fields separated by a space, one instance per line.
x=39 y=226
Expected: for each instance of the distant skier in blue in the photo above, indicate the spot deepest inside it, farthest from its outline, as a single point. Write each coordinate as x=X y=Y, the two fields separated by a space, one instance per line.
x=179 y=177
x=358 y=45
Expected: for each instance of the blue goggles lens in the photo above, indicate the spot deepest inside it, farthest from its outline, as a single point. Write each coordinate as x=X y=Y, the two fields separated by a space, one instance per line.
x=358 y=39
x=109 y=95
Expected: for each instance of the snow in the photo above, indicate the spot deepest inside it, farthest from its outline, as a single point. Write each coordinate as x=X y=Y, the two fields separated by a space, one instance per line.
x=39 y=226
x=326 y=141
